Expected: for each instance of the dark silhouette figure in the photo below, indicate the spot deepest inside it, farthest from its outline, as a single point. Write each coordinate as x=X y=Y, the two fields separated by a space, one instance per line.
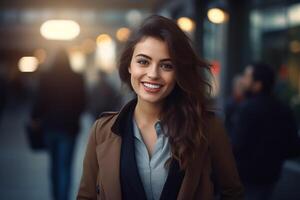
x=59 y=104
x=233 y=102
x=103 y=97
x=264 y=135
x=3 y=92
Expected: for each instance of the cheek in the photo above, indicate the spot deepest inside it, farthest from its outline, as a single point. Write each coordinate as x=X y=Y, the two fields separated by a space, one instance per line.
x=135 y=76
x=134 y=72
x=170 y=79
x=134 y=83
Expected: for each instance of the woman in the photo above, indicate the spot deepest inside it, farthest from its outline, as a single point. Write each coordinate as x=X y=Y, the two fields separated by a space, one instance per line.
x=165 y=144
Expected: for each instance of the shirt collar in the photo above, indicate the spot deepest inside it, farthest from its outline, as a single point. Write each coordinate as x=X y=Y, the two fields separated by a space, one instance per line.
x=127 y=111
x=137 y=133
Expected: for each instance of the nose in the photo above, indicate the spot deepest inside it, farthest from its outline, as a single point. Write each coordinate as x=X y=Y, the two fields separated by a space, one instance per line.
x=153 y=71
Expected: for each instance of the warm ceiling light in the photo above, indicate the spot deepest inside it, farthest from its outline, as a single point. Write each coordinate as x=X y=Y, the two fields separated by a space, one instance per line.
x=186 y=24
x=28 y=64
x=106 y=53
x=60 y=29
x=103 y=38
x=217 y=15
x=123 y=34
x=78 y=61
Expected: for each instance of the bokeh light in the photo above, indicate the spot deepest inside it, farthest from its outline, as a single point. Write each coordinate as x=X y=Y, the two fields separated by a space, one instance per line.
x=123 y=34
x=28 y=64
x=103 y=38
x=134 y=18
x=105 y=56
x=77 y=60
x=217 y=15
x=186 y=24
x=60 y=29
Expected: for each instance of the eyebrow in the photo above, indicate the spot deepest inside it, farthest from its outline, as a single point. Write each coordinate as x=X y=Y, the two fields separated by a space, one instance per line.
x=148 y=57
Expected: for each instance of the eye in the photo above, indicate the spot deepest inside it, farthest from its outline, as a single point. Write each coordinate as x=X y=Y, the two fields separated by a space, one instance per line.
x=167 y=66
x=143 y=62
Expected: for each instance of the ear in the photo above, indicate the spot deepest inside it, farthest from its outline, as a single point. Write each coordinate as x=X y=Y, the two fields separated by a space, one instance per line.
x=129 y=70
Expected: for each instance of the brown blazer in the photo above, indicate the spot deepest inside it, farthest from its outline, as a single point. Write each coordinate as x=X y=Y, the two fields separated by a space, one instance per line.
x=101 y=172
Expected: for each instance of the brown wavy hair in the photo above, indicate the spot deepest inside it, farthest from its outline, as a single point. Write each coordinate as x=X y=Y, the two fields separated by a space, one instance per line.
x=184 y=108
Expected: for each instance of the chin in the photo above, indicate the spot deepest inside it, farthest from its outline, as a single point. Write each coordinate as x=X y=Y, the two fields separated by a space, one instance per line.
x=154 y=99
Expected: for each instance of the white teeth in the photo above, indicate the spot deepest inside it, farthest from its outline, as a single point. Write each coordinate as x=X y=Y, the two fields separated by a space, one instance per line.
x=152 y=86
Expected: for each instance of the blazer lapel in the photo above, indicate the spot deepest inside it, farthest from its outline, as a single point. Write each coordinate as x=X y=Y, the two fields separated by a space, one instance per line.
x=173 y=183
x=108 y=154
x=130 y=179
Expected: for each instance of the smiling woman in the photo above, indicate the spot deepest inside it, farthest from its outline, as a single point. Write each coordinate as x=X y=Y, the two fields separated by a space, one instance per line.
x=152 y=73
x=166 y=143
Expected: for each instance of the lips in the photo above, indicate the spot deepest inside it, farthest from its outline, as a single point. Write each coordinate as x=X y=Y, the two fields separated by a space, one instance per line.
x=152 y=87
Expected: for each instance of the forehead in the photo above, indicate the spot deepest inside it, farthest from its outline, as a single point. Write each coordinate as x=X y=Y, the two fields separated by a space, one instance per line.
x=153 y=47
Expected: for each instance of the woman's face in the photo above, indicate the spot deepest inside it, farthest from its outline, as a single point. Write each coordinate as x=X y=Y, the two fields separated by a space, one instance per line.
x=152 y=71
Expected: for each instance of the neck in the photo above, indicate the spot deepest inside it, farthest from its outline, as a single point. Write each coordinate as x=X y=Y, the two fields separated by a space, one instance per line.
x=146 y=112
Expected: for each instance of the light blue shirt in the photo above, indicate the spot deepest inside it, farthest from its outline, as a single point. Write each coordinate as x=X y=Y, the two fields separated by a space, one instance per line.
x=152 y=171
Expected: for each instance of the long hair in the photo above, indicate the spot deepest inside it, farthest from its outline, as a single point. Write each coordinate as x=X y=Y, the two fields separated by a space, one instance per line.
x=184 y=107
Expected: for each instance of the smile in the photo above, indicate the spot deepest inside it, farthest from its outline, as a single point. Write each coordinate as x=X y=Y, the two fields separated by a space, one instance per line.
x=152 y=86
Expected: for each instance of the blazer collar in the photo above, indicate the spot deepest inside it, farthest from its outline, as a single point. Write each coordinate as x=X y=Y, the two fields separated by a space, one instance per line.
x=120 y=122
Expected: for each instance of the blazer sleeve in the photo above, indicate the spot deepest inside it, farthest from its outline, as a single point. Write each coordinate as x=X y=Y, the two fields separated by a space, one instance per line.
x=223 y=162
x=87 y=187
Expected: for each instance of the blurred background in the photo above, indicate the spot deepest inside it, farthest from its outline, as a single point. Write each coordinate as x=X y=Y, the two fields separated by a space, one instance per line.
x=227 y=33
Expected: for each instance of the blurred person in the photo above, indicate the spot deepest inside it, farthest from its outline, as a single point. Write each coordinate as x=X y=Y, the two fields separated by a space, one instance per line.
x=165 y=143
x=59 y=104
x=3 y=92
x=264 y=134
x=283 y=89
x=103 y=96
x=233 y=102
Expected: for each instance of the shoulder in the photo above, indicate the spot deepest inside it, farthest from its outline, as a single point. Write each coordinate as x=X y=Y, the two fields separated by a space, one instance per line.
x=105 y=115
x=106 y=119
x=102 y=126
